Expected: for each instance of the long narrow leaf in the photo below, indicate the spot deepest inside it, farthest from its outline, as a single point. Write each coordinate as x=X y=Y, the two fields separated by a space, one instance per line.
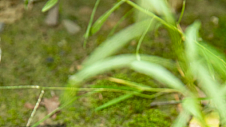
x=140 y=87
x=98 y=24
x=103 y=66
x=193 y=106
x=112 y=63
x=213 y=58
x=161 y=8
x=160 y=74
x=87 y=34
x=182 y=119
x=191 y=37
x=115 y=101
x=120 y=21
x=117 y=41
x=210 y=87
x=141 y=39
x=49 y=5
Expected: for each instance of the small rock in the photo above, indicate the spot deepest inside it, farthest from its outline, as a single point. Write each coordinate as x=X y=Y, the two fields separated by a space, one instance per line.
x=71 y=27
x=52 y=16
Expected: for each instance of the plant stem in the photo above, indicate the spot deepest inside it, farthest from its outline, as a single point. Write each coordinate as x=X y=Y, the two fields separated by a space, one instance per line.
x=182 y=12
x=90 y=23
x=141 y=39
x=35 y=108
x=151 y=14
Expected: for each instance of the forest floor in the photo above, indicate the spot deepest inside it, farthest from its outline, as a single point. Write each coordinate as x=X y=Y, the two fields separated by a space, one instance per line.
x=36 y=54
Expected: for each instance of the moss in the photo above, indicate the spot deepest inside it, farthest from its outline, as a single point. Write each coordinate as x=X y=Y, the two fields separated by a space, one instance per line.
x=150 y=118
x=35 y=54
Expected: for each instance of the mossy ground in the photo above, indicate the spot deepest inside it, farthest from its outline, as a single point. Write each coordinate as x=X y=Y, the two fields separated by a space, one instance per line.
x=35 y=54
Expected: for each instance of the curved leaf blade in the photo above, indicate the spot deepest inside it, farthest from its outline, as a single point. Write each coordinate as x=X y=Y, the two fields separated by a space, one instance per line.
x=115 y=101
x=112 y=63
x=117 y=41
x=160 y=74
x=49 y=5
x=99 y=23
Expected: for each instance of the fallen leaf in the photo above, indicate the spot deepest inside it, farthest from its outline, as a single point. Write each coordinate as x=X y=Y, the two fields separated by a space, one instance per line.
x=51 y=104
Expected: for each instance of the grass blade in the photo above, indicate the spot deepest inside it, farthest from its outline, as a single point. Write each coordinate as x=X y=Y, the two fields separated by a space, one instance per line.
x=49 y=5
x=182 y=12
x=160 y=74
x=213 y=58
x=210 y=86
x=117 y=41
x=161 y=8
x=120 y=21
x=103 y=66
x=141 y=39
x=111 y=63
x=193 y=106
x=152 y=15
x=87 y=34
x=140 y=87
x=191 y=37
x=98 y=24
x=182 y=119
x=115 y=101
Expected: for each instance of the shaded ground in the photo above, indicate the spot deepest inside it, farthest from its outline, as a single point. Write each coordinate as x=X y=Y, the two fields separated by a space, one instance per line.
x=35 y=54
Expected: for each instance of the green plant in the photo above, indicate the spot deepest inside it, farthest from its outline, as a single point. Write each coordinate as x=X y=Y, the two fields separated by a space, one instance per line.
x=196 y=62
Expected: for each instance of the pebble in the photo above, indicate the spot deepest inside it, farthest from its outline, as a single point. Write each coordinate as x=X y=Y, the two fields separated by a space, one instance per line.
x=52 y=16
x=71 y=27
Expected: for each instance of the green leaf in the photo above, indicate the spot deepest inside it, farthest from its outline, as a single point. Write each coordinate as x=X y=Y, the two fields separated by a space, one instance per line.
x=161 y=8
x=182 y=119
x=98 y=24
x=115 y=101
x=193 y=106
x=160 y=74
x=141 y=39
x=182 y=12
x=135 y=85
x=103 y=66
x=49 y=5
x=210 y=86
x=213 y=58
x=140 y=87
x=119 y=22
x=190 y=41
x=117 y=41
x=87 y=34
x=112 y=63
